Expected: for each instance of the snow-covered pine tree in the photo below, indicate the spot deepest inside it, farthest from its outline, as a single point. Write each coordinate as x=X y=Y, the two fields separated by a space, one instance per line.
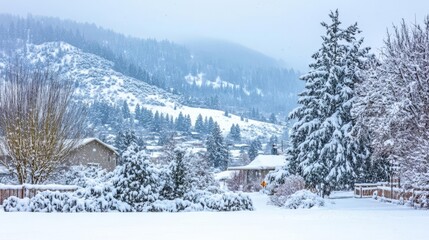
x=217 y=152
x=156 y=123
x=199 y=124
x=235 y=133
x=187 y=124
x=147 y=118
x=273 y=118
x=126 y=113
x=138 y=113
x=254 y=148
x=209 y=125
x=180 y=122
x=198 y=171
x=178 y=171
x=323 y=149
x=124 y=139
x=137 y=181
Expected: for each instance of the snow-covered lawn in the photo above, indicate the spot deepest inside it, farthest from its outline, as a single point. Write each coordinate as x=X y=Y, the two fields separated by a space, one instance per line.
x=344 y=218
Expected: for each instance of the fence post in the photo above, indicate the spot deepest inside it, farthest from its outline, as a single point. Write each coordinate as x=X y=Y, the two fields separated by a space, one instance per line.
x=361 y=193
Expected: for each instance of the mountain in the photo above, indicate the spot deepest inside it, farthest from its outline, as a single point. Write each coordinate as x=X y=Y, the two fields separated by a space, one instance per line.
x=250 y=80
x=97 y=81
x=228 y=54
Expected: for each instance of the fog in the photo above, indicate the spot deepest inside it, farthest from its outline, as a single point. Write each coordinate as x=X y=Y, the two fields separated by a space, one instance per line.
x=284 y=29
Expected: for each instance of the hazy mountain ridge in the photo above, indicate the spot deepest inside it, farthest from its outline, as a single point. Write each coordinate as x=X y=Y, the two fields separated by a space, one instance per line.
x=166 y=64
x=97 y=81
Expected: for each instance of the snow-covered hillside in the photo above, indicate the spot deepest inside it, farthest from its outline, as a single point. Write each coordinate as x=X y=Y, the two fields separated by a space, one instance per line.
x=249 y=129
x=95 y=77
x=96 y=80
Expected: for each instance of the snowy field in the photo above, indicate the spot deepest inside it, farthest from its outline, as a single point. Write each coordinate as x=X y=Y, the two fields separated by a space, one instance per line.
x=345 y=218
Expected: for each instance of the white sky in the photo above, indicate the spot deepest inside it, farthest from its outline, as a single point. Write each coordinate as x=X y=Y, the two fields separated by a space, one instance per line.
x=285 y=29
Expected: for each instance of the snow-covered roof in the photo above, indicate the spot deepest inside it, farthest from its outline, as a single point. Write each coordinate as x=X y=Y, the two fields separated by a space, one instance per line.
x=85 y=141
x=82 y=142
x=228 y=174
x=263 y=162
x=154 y=148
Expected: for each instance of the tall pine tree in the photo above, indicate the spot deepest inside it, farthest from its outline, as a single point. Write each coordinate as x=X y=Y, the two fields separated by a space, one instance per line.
x=323 y=149
x=217 y=152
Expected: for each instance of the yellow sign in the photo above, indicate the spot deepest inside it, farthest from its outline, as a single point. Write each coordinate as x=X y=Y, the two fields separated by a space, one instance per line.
x=263 y=184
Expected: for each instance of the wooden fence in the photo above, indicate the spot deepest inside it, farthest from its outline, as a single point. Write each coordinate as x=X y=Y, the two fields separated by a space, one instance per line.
x=30 y=190
x=392 y=192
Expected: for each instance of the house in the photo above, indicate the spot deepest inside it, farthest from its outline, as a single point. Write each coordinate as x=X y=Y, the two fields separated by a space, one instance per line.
x=94 y=152
x=88 y=151
x=256 y=171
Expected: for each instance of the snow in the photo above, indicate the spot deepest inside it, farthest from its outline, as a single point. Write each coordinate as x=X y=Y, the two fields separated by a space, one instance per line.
x=200 y=80
x=224 y=175
x=264 y=162
x=343 y=218
x=3 y=170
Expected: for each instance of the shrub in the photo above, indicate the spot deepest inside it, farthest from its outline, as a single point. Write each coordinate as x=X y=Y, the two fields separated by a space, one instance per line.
x=303 y=199
x=290 y=185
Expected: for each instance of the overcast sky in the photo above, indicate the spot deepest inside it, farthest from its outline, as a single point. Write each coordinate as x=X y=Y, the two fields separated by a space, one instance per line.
x=285 y=29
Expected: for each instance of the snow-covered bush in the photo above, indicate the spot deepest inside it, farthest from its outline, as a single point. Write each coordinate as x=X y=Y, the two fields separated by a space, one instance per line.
x=291 y=185
x=227 y=202
x=220 y=201
x=304 y=199
x=235 y=183
x=15 y=204
x=176 y=205
x=137 y=186
x=91 y=199
x=84 y=176
x=276 y=178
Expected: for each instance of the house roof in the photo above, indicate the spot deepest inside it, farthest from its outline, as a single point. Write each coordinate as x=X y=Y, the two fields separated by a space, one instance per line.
x=262 y=162
x=82 y=142
x=85 y=141
x=225 y=175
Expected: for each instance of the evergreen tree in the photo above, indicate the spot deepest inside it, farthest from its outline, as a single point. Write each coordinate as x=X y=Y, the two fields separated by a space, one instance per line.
x=136 y=181
x=138 y=113
x=235 y=133
x=216 y=149
x=156 y=123
x=126 y=113
x=125 y=139
x=178 y=174
x=210 y=125
x=187 y=124
x=180 y=123
x=254 y=148
x=323 y=149
x=147 y=118
x=273 y=118
x=199 y=124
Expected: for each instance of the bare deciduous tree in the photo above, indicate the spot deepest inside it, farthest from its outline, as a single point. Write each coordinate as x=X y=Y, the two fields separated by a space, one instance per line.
x=39 y=121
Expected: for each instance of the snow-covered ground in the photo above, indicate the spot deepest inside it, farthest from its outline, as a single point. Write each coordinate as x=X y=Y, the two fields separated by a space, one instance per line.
x=342 y=218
